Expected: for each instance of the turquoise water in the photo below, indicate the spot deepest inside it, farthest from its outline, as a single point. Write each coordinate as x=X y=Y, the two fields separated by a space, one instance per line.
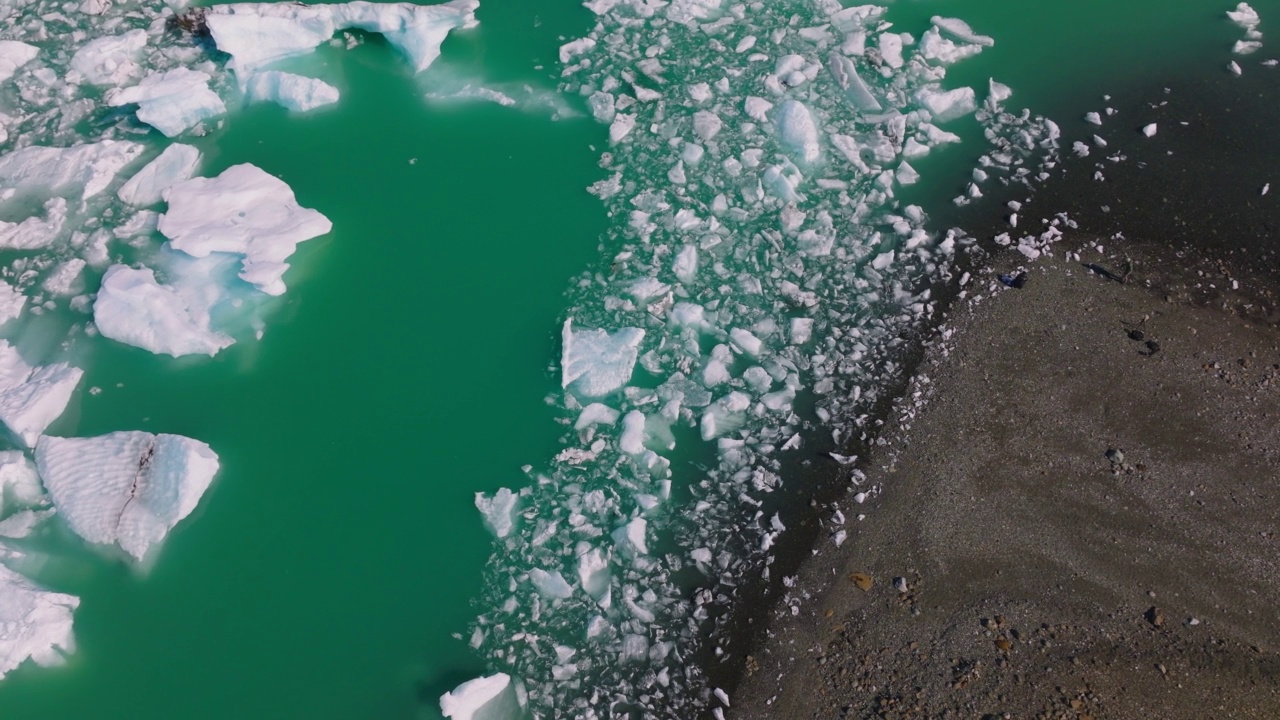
x=408 y=367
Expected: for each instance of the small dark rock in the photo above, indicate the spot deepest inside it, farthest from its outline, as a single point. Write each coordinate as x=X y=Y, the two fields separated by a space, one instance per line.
x=1137 y=335
x=1018 y=281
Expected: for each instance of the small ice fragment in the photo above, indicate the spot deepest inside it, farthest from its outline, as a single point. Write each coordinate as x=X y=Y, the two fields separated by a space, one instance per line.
x=1234 y=67
x=1093 y=117
x=495 y=697
x=12 y=302
x=960 y=30
x=293 y=92
x=846 y=76
x=552 y=584
x=125 y=488
x=631 y=537
x=1266 y=189
x=1149 y=130
x=946 y=105
x=499 y=511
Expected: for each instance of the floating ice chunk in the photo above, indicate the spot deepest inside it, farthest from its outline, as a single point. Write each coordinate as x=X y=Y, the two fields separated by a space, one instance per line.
x=552 y=584
x=499 y=511
x=946 y=105
x=33 y=397
x=891 y=49
x=596 y=414
x=125 y=488
x=1149 y=130
x=293 y=92
x=572 y=49
x=724 y=415
x=1234 y=67
x=906 y=175
x=685 y=265
x=35 y=232
x=1093 y=117
x=244 y=211
x=706 y=124
x=111 y=60
x=632 y=439
x=67 y=279
x=20 y=487
x=175 y=164
x=1246 y=47
x=36 y=623
x=83 y=170
x=757 y=108
x=631 y=537
x=801 y=330
x=13 y=55
x=12 y=303
x=258 y=34
x=596 y=362
x=846 y=76
x=745 y=341
x=1244 y=16
x=171 y=102
x=495 y=697
x=134 y=309
x=594 y=575
x=961 y=31
x=621 y=126
x=783 y=181
x=998 y=92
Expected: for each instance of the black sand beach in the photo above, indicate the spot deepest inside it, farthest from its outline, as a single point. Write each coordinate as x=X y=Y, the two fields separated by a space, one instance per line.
x=1075 y=501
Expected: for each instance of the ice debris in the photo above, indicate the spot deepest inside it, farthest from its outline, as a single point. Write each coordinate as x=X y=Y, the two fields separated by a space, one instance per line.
x=126 y=488
x=596 y=362
x=292 y=92
x=496 y=697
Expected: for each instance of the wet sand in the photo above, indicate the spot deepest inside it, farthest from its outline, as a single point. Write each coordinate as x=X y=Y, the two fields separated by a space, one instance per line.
x=1080 y=492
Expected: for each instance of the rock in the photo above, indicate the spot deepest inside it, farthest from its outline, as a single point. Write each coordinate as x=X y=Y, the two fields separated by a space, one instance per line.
x=862 y=580
x=1155 y=617
x=900 y=584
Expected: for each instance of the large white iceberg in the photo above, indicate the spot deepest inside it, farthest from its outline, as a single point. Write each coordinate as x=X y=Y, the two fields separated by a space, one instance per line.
x=35 y=623
x=243 y=211
x=125 y=488
x=177 y=163
x=596 y=362
x=33 y=397
x=495 y=697
x=135 y=309
x=171 y=102
x=258 y=34
x=293 y=92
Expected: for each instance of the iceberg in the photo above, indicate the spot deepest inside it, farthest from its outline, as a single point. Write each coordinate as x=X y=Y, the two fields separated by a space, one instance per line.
x=177 y=163
x=125 y=488
x=31 y=398
x=243 y=211
x=596 y=362
x=111 y=60
x=293 y=92
x=258 y=34
x=135 y=309
x=495 y=697
x=36 y=623
x=13 y=55
x=171 y=102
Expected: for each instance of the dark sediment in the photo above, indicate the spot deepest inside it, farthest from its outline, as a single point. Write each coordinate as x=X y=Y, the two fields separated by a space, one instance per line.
x=1047 y=575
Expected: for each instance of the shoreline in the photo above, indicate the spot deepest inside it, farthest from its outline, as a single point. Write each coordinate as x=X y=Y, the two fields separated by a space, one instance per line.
x=1184 y=266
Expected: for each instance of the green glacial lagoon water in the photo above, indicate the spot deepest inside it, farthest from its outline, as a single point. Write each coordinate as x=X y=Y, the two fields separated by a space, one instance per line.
x=325 y=573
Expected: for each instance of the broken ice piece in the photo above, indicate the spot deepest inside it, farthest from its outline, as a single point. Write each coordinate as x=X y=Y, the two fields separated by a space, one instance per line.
x=126 y=488
x=495 y=697
x=36 y=623
x=33 y=397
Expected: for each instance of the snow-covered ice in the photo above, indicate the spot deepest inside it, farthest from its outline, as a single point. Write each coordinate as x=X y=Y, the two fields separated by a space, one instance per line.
x=134 y=308
x=173 y=101
x=35 y=623
x=146 y=187
x=31 y=398
x=496 y=697
x=244 y=211
x=126 y=488
x=292 y=92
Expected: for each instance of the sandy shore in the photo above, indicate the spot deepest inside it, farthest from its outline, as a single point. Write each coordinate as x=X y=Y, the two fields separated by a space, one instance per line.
x=1077 y=513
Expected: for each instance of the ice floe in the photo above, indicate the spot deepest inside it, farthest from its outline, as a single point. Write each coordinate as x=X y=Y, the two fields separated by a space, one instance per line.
x=173 y=101
x=176 y=163
x=293 y=92
x=32 y=397
x=496 y=697
x=126 y=488
x=132 y=307
x=13 y=55
x=35 y=624
x=244 y=211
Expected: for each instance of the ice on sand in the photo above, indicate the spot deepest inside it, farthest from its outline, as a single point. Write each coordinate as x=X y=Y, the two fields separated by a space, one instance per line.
x=126 y=488
x=596 y=362
x=177 y=163
x=258 y=34
x=496 y=697
x=243 y=211
x=35 y=623
x=135 y=309
x=293 y=92
x=31 y=398
x=173 y=101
